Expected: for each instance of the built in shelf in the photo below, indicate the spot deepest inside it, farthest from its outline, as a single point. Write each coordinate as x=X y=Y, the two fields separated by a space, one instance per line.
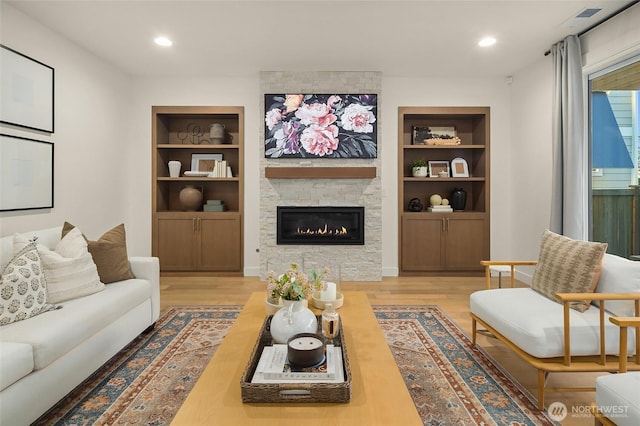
x=320 y=172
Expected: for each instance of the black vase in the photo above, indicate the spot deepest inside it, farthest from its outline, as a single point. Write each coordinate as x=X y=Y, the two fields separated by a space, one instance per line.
x=458 y=199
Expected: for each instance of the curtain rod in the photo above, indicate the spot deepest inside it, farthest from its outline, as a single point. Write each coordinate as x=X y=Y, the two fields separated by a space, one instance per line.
x=583 y=32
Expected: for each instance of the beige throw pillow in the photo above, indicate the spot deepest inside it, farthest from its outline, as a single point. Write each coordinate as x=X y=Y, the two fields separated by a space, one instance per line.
x=69 y=269
x=23 y=287
x=568 y=266
x=109 y=254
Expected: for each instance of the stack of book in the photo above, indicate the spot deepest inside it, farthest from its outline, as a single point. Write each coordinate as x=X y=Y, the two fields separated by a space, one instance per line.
x=221 y=169
x=273 y=367
x=214 y=206
x=440 y=209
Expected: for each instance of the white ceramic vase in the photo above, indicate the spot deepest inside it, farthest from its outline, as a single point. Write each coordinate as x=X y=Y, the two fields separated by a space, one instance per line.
x=293 y=318
x=174 y=168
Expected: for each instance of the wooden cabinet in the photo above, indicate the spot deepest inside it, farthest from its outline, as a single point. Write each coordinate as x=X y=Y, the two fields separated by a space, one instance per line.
x=197 y=240
x=451 y=242
x=189 y=242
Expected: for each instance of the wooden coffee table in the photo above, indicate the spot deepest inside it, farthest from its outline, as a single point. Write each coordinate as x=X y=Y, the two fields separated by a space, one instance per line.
x=378 y=393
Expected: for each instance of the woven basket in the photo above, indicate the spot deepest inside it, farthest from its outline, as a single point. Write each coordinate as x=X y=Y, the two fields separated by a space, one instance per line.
x=293 y=392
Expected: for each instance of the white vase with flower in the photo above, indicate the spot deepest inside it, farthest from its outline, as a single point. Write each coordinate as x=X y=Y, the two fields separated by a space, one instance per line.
x=294 y=289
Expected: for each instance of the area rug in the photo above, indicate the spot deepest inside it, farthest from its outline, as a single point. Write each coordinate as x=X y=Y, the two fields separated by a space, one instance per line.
x=450 y=381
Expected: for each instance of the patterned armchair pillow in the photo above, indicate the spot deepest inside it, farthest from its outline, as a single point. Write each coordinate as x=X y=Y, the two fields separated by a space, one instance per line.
x=568 y=266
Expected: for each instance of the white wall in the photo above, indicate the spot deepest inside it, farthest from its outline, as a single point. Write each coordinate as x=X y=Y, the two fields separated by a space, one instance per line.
x=91 y=101
x=530 y=194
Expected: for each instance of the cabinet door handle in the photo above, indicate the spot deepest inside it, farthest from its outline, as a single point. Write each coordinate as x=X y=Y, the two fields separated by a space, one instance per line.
x=193 y=224
x=443 y=227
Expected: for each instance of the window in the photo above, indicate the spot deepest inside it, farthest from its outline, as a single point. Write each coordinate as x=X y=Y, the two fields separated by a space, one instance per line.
x=614 y=140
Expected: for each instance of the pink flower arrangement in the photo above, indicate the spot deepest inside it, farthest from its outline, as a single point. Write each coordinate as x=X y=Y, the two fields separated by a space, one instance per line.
x=337 y=126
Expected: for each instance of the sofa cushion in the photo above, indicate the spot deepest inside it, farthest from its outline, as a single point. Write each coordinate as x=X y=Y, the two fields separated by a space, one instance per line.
x=567 y=266
x=55 y=333
x=16 y=361
x=618 y=397
x=23 y=286
x=619 y=275
x=69 y=268
x=109 y=254
x=534 y=323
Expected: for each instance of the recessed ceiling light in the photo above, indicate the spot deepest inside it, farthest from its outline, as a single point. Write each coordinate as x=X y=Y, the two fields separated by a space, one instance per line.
x=487 y=41
x=163 y=41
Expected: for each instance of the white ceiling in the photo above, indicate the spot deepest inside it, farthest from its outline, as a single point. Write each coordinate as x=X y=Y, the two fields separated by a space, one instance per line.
x=241 y=37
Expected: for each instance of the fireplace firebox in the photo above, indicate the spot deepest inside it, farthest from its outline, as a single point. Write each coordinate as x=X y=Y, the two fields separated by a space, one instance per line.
x=320 y=225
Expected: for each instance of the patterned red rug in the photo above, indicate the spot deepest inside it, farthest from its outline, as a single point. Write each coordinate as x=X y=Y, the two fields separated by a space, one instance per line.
x=450 y=381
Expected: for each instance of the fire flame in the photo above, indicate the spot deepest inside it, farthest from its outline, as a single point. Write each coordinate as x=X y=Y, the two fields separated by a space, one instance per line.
x=323 y=231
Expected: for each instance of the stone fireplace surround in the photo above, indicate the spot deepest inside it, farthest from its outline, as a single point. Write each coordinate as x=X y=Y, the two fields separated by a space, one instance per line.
x=357 y=262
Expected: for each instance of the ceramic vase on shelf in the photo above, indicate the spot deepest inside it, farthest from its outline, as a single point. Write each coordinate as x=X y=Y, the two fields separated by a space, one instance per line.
x=174 y=168
x=216 y=133
x=191 y=198
x=293 y=318
x=458 y=199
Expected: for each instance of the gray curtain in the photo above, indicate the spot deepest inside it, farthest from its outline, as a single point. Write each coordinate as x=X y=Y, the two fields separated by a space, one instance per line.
x=569 y=192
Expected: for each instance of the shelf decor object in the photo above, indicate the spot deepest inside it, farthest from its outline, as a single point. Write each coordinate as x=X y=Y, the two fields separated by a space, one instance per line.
x=26 y=91
x=438 y=169
x=320 y=125
x=26 y=173
x=459 y=167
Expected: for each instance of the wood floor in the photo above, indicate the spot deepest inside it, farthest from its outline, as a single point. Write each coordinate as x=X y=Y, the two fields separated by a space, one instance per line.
x=451 y=294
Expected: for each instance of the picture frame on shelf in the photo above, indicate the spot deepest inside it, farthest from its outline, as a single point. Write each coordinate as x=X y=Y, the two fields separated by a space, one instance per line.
x=459 y=167
x=320 y=125
x=436 y=167
x=26 y=173
x=204 y=162
x=26 y=91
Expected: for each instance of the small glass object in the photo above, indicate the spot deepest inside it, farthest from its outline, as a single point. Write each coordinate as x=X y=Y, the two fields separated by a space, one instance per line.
x=330 y=323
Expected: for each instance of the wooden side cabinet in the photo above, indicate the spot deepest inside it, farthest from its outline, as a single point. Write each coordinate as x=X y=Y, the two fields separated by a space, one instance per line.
x=450 y=242
x=435 y=242
x=205 y=241
x=188 y=242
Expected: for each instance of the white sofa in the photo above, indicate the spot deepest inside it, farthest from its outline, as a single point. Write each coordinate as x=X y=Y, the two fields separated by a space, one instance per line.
x=45 y=357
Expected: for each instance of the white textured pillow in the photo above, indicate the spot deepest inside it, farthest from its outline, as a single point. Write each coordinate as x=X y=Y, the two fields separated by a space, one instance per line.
x=619 y=275
x=70 y=270
x=23 y=287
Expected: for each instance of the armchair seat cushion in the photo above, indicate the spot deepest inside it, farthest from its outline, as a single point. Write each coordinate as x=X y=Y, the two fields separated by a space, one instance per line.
x=534 y=323
x=618 y=397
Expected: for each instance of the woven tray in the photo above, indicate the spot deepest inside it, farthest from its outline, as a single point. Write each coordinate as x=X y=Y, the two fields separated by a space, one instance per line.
x=293 y=392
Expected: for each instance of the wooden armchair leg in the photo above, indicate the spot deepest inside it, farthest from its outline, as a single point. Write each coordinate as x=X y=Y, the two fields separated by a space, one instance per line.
x=474 y=330
x=541 y=383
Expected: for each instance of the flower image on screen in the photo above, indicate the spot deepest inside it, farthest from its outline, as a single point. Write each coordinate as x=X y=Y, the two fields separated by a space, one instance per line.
x=320 y=126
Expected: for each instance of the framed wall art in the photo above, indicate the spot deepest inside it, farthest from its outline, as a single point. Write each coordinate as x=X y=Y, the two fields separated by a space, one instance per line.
x=26 y=91
x=438 y=167
x=320 y=125
x=459 y=167
x=26 y=173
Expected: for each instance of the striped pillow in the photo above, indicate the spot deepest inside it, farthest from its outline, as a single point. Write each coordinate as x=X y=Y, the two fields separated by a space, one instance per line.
x=568 y=266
